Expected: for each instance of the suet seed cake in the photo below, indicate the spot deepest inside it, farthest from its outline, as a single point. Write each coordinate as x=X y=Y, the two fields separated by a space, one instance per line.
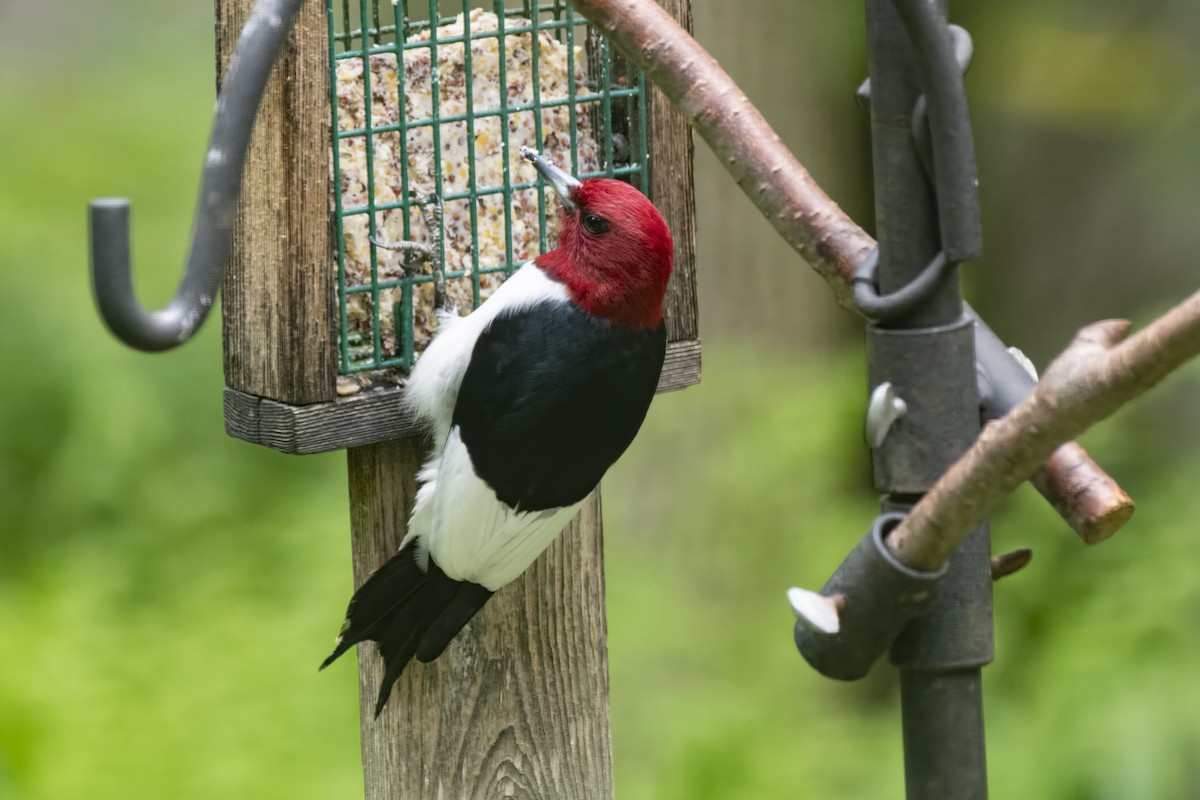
x=464 y=252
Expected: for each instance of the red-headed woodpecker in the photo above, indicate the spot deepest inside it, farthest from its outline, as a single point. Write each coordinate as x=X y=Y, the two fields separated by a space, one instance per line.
x=530 y=399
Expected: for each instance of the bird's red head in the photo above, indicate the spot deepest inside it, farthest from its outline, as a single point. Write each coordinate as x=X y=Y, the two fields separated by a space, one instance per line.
x=615 y=253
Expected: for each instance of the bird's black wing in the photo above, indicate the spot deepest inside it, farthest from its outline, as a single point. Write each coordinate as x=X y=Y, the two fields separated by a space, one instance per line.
x=551 y=398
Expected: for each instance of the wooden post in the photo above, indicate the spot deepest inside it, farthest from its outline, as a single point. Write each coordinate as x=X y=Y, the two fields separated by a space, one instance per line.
x=518 y=704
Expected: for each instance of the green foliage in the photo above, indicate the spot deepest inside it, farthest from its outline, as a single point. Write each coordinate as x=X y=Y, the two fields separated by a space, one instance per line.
x=166 y=593
x=1088 y=697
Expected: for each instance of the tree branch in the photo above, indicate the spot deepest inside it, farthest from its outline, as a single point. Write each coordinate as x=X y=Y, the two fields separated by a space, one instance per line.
x=1089 y=500
x=737 y=133
x=1097 y=374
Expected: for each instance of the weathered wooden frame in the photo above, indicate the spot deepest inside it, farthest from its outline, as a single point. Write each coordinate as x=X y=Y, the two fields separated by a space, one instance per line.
x=279 y=307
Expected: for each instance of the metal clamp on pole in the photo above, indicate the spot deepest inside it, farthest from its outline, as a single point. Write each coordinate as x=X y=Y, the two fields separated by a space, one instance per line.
x=924 y=367
x=929 y=370
x=862 y=608
x=955 y=632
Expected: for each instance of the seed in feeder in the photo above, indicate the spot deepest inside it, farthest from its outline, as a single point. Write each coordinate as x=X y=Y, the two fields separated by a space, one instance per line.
x=467 y=249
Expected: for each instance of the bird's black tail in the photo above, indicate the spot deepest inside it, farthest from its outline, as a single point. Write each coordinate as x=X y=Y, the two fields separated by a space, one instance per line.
x=409 y=612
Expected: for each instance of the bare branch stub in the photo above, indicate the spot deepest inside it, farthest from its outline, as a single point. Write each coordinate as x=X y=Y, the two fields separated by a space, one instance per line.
x=1099 y=372
x=739 y=135
x=1008 y=563
x=1087 y=498
x=808 y=219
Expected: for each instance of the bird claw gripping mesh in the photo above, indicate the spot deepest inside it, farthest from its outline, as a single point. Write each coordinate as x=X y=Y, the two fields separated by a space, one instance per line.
x=431 y=212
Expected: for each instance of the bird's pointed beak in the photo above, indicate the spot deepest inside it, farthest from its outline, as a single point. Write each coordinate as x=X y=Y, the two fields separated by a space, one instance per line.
x=563 y=182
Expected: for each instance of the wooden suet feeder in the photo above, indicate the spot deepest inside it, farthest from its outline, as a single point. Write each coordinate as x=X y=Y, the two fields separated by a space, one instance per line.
x=322 y=323
x=382 y=181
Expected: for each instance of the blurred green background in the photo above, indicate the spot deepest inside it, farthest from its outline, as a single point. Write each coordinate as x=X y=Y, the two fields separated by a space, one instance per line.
x=166 y=592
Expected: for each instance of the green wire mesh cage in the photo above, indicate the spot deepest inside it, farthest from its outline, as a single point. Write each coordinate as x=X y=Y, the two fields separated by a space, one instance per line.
x=430 y=109
x=384 y=182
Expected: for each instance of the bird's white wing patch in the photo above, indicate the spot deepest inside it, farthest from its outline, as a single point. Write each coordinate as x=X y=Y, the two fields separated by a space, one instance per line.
x=432 y=387
x=469 y=533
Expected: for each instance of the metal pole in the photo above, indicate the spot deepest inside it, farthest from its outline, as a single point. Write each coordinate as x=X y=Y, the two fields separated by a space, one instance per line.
x=928 y=356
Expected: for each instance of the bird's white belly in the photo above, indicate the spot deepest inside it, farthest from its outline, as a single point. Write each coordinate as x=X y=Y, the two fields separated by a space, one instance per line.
x=469 y=533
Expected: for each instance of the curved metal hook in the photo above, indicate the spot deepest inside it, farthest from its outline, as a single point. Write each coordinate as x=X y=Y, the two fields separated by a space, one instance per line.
x=245 y=81
x=884 y=308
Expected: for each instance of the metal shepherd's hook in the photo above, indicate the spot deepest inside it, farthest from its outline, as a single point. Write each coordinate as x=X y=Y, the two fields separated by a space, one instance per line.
x=242 y=89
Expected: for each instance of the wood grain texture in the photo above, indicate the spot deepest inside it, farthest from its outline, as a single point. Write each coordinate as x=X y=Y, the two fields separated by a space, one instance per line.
x=518 y=705
x=672 y=188
x=377 y=415
x=278 y=300
x=681 y=368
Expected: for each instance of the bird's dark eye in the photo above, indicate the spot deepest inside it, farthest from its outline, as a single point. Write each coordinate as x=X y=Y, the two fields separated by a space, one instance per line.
x=595 y=223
